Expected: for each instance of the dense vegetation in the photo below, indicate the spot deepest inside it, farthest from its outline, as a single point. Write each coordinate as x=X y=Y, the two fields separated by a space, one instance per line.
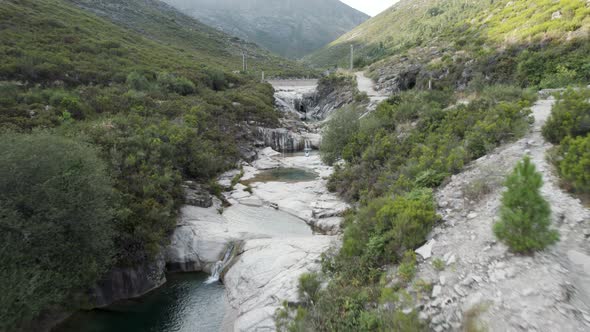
x=569 y=127
x=130 y=114
x=56 y=217
x=525 y=216
x=390 y=162
x=52 y=40
x=543 y=43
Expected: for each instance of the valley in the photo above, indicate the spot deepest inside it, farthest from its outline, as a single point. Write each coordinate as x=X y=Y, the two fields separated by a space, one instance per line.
x=196 y=165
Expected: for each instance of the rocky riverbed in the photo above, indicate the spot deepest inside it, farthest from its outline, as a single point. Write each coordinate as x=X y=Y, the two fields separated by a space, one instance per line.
x=279 y=227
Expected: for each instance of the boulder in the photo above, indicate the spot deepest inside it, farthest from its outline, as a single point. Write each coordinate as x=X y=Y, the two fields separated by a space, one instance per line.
x=426 y=250
x=196 y=195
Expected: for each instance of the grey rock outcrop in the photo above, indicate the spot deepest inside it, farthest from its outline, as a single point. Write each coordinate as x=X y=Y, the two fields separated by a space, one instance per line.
x=129 y=282
x=196 y=195
x=266 y=273
x=329 y=98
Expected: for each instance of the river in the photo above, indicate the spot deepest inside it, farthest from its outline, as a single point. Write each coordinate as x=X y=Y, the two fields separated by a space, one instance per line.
x=277 y=211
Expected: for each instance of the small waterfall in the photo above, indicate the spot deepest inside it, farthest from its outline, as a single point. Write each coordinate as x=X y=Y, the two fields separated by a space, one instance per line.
x=220 y=265
x=307 y=148
x=282 y=140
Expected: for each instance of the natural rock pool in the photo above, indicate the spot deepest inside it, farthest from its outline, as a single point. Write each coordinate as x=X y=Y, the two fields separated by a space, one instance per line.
x=284 y=175
x=184 y=304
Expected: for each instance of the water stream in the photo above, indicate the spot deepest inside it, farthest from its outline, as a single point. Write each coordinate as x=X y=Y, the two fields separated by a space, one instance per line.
x=196 y=302
x=219 y=266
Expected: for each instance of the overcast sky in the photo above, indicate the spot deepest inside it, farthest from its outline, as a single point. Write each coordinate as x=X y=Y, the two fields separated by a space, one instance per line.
x=371 y=7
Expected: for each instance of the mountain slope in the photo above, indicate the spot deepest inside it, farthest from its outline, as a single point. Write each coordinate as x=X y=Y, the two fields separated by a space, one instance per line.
x=290 y=28
x=55 y=40
x=439 y=33
x=163 y=23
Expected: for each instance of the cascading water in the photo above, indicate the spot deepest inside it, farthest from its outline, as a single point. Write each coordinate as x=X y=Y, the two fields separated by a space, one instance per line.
x=220 y=265
x=307 y=149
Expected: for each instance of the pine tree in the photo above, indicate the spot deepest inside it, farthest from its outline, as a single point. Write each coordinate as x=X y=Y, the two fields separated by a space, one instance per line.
x=525 y=214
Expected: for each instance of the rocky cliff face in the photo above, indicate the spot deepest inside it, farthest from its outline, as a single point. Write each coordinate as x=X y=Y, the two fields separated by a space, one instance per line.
x=292 y=28
x=129 y=282
x=330 y=98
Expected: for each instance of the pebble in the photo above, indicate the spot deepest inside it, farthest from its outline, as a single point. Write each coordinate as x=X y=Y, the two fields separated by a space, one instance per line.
x=443 y=280
x=472 y=216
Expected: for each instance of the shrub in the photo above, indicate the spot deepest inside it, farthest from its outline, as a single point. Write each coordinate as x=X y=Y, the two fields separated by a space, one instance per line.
x=575 y=164
x=137 y=81
x=395 y=225
x=407 y=268
x=56 y=218
x=309 y=288
x=338 y=132
x=217 y=80
x=525 y=214
x=438 y=264
x=570 y=116
x=430 y=179
x=174 y=84
x=488 y=181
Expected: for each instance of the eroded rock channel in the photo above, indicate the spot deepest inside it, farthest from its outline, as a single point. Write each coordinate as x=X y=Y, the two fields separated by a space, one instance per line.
x=241 y=256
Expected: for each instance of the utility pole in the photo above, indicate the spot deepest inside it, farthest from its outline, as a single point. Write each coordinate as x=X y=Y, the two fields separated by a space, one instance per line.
x=351 y=57
x=244 y=67
x=262 y=81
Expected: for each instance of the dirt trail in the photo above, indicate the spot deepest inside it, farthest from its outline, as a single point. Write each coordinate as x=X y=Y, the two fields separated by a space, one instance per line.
x=367 y=86
x=482 y=281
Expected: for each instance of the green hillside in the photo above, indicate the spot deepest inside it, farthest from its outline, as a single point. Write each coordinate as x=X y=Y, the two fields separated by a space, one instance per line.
x=54 y=40
x=441 y=33
x=130 y=98
x=162 y=23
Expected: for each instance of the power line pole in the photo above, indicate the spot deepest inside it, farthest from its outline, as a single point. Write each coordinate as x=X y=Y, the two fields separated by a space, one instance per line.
x=244 y=62
x=262 y=76
x=351 y=57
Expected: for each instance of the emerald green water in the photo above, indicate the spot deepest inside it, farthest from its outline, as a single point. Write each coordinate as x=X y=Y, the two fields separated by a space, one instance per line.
x=283 y=175
x=183 y=304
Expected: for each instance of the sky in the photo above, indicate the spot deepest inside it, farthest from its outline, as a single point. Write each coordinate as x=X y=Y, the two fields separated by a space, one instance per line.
x=371 y=7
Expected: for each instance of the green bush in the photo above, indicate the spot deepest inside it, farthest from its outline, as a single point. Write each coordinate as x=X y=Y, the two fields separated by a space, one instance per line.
x=525 y=214
x=416 y=140
x=407 y=268
x=137 y=81
x=387 y=227
x=174 y=84
x=56 y=216
x=570 y=116
x=574 y=165
x=343 y=125
x=309 y=288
